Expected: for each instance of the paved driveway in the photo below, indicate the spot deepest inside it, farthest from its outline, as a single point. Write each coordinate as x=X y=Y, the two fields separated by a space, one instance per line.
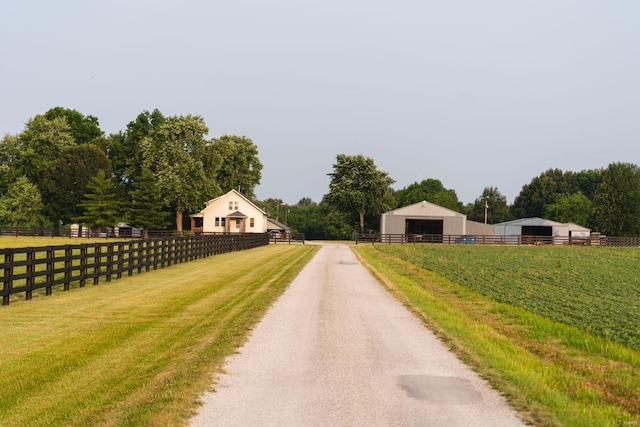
x=337 y=350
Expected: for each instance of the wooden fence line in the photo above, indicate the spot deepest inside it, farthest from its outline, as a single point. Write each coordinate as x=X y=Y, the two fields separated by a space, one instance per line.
x=33 y=268
x=596 y=240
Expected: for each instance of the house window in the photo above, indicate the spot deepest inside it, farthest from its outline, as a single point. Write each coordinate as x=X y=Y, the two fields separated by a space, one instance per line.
x=230 y=206
x=252 y=222
x=223 y=222
x=217 y=221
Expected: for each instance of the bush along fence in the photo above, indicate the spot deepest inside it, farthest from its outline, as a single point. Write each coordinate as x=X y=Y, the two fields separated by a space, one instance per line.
x=36 y=268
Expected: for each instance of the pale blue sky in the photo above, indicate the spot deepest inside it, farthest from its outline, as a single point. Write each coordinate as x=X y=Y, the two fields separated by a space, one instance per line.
x=473 y=93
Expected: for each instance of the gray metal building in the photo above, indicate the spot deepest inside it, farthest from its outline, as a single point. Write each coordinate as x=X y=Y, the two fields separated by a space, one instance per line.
x=425 y=218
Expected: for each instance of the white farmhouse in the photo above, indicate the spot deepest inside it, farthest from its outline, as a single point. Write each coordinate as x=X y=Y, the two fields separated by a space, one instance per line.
x=230 y=213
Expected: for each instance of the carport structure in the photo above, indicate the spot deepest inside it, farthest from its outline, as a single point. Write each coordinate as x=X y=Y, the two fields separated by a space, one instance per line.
x=540 y=230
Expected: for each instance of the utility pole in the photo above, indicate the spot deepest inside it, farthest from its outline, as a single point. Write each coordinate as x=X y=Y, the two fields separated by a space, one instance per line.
x=486 y=208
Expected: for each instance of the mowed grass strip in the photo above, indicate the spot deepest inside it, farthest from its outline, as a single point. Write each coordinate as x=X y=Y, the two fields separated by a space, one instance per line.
x=554 y=374
x=40 y=241
x=139 y=350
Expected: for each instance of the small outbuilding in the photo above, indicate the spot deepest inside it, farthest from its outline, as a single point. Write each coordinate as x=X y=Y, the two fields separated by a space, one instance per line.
x=276 y=227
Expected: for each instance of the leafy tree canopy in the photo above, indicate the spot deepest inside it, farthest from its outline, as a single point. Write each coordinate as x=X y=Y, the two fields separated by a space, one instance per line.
x=493 y=203
x=358 y=186
x=125 y=148
x=65 y=183
x=22 y=205
x=40 y=145
x=575 y=208
x=616 y=201
x=540 y=192
x=83 y=129
x=240 y=166
x=430 y=190
x=176 y=153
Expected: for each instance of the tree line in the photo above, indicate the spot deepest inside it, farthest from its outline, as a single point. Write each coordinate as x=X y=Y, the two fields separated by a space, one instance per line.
x=606 y=200
x=63 y=169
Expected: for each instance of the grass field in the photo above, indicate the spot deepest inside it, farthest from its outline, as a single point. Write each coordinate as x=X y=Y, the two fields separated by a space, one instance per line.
x=595 y=289
x=23 y=242
x=140 y=350
x=551 y=328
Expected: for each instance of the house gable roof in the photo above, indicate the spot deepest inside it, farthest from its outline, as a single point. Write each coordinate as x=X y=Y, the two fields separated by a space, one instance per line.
x=226 y=195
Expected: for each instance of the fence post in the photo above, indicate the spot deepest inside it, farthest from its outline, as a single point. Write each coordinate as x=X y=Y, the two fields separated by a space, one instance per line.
x=30 y=278
x=68 y=261
x=130 y=259
x=83 y=264
x=97 y=262
x=7 y=281
x=50 y=268
x=109 y=261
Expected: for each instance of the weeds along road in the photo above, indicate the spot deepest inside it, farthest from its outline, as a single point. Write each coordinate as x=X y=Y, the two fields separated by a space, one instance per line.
x=337 y=350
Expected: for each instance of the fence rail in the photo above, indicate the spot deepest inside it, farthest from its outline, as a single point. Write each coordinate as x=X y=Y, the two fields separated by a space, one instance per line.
x=596 y=240
x=25 y=270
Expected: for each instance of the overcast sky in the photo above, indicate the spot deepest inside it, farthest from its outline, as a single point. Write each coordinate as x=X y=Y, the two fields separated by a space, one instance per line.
x=473 y=93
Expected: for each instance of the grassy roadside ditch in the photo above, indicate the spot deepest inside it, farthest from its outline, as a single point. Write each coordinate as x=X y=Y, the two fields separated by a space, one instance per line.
x=552 y=373
x=139 y=350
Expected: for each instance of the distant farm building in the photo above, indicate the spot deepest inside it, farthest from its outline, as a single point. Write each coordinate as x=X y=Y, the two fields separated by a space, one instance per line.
x=541 y=230
x=275 y=226
x=428 y=219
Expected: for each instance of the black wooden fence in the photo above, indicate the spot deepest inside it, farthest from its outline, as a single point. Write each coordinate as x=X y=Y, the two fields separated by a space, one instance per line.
x=34 y=268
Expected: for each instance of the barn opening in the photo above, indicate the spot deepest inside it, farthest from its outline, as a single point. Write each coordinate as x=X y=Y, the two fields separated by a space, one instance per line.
x=537 y=234
x=425 y=227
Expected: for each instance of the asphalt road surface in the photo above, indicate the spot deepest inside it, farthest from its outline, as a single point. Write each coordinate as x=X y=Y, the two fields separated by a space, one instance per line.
x=337 y=350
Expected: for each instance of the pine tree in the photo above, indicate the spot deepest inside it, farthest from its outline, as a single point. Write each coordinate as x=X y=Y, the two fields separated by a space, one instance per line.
x=147 y=209
x=100 y=204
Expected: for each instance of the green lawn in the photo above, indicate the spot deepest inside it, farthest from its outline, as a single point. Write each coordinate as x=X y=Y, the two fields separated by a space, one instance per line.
x=39 y=241
x=139 y=350
x=507 y=311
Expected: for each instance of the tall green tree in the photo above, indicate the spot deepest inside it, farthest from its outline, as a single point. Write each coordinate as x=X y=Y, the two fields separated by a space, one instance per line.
x=493 y=203
x=575 y=208
x=358 y=186
x=83 y=129
x=586 y=181
x=177 y=154
x=21 y=205
x=240 y=166
x=540 y=192
x=40 y=145
x=65 y=183
x=147 y=208
x=9 y=152
x=125 y=148
x=101 y=208
x=616 y=201
x=430 y=190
